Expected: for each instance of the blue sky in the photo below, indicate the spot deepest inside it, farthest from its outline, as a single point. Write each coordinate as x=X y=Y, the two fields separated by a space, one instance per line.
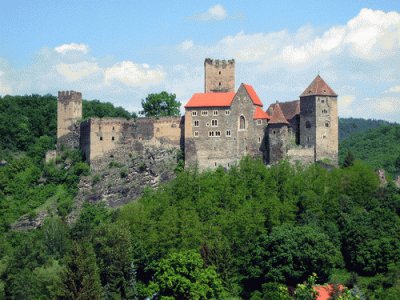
x=119 y=51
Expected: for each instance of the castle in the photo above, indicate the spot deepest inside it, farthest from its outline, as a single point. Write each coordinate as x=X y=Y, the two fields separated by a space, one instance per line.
x=219 y=127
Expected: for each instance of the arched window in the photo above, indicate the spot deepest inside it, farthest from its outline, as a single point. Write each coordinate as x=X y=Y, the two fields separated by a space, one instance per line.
x=242 y=123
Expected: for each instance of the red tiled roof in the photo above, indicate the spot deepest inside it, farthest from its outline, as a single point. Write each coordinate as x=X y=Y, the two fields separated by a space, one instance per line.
x=210 y=100
x=318 y=87
x=260 y=114
x=324 y=291
x=253 y=95
x=289 y=109
x=277 y=116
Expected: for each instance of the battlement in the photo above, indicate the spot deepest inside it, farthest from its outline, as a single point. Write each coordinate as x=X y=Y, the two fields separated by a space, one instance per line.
x=69 y=96
x=219 y=62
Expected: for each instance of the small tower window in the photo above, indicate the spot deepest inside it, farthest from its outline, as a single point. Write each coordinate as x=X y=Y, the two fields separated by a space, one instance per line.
x=242 y=122
x=219 y=84
x=259 y=140
x=326 y=124
x=308 y=124
x=112 y=138
x=219 y=72
x=228 y=132
x=259 y=122
x=101 y=138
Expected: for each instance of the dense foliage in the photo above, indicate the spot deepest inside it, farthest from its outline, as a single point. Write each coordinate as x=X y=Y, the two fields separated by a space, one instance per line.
x=160 y=105
x=249 y=232
x=378 y=147
x=350 y=126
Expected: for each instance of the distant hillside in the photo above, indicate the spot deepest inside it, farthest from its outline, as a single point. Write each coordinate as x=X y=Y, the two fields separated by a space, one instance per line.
x=379 y=147
x=349 y=126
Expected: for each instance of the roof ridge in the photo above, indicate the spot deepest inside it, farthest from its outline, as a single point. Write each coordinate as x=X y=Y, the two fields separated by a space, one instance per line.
x=277 y=116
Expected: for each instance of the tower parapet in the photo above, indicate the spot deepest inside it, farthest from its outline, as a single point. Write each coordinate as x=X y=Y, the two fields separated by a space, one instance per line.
x=69 y=113
x=219 y=75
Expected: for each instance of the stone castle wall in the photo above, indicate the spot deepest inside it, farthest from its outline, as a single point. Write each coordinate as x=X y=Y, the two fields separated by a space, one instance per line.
x=224 y=144
x=219 y=75
x=103 y=138
x=300 y=155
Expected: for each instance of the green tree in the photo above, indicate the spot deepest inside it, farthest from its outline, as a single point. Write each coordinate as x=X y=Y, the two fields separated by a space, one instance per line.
x=349 y=159
x=182 y=275
x=306 y=291
x=160 y=105
x=81 y=278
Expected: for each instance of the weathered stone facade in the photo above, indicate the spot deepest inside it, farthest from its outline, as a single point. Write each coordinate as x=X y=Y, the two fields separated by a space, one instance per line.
x=219 y=75
x=69 y=113
x=220 y=126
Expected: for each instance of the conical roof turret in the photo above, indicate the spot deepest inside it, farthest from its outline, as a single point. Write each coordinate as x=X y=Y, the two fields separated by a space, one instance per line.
x=277 y=116
x=318 y=87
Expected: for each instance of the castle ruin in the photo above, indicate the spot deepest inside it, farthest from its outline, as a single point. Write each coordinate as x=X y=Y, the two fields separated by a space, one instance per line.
x=219 y=127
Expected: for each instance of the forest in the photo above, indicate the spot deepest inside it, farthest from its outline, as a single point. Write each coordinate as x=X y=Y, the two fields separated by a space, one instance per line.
x=250 y=232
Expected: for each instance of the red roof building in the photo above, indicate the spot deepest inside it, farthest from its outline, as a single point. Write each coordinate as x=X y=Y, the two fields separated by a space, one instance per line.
x=210 y=100
x=260 y=114
x=325 y=291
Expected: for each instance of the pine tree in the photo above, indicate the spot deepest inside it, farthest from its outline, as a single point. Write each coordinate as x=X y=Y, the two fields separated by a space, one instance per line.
x=81 y=279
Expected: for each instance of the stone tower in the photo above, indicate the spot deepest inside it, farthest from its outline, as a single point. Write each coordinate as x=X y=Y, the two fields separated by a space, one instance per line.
x=278 y=136
x=219 y=75
x=319 y=120
x=69 y=113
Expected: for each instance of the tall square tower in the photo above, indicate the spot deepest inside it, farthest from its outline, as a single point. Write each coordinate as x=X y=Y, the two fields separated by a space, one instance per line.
x=219 y=76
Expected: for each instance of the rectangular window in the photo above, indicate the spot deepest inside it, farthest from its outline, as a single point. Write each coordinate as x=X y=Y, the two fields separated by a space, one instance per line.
x=194 y=113
x=259 y=140
x=214 y=123
x=196 y=123
x=259 y=122
x=228 y=132
x=211 y=133
x=215 y=113
x=218 y=133
x=204 y=113
x=196 y=134
x=227 y=112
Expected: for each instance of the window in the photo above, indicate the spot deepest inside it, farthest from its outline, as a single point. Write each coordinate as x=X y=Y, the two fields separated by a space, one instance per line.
x=211 y=133
x=259 y=140
x=214 y=123
x=194 y=113
x=259 y=122
x=101 y=138
x=215 y=113
x=326 y=124
x=274 y=132
x=113 y=128
x=242 y=123
x=219 y=72
x=227 y=112
x=112 y=138
x=324 y=111
x=196 y=134
x=204 y=113
x=218 y=133
x=322 y=100
x=196 y=123
x=228 y=132
x=219 y=84
x=308 y=124
x=308 y=139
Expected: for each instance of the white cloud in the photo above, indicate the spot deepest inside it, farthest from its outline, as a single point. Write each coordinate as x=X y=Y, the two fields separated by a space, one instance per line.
x=345 y=103
x=134 y=75
x=381 y=106
x=214 y=13
x=186 y=45
x=393 y=89
x=72 y=47
x=77 y=71
x=4 y=88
